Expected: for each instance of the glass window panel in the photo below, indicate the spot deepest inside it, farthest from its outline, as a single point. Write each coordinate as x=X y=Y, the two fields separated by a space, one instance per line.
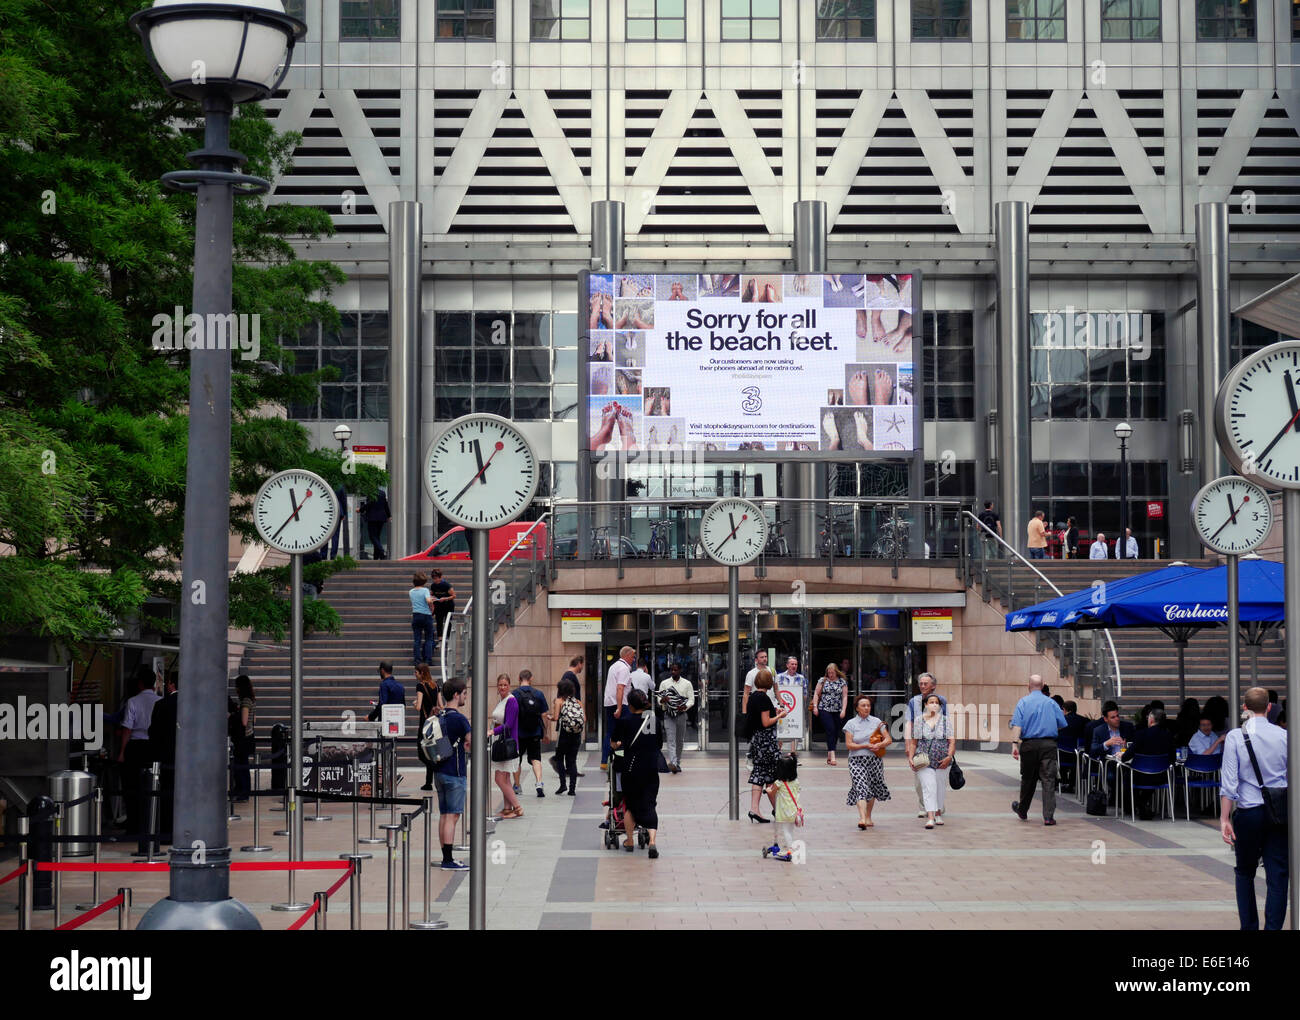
x=532 y=403
x=374 y=329
x=344 y=359
x=768 y=28
x=576 y=8
x=1105 y=476
x=1069 y=479
x=374 y=366
x=1039 y=479
x=1069 y=401
x=564 y=329
x=1069 y=366
x=374 y=403
x=346 y=334
x=672 y=8
x=491 y=329
x=338 y=402
x=566 y=365
x=451 y=402
x=492 y=400
x=304 y=361
x=1039 y=406
x=491 y=365
x=304 y=412
x=767 y=8
x=640 y=8
x=673 y=29
x=564 y=402
x=452 y=329
x=532 y=365
x=735 y=8
x=735 y=30
x=577 y=29
x=1039 y=365
x=957 y=366
x=454 y=365
x=638 y=29
x=528 y=329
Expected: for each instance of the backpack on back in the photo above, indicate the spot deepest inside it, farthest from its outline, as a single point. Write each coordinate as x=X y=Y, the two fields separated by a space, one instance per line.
x=530 y=711
x=434 y=741
x=571 y=717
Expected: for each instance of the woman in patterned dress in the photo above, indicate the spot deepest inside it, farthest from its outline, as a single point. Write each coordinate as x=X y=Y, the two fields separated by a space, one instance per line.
x=764 y=752
x=934 y=737
x=830 y=703
x=866 y=771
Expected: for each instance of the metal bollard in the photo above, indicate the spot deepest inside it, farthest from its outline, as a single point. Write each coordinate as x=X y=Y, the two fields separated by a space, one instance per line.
x=322 y=904
x=354 y=892
x=406 y=871
x=94 y=833
x=390 y=781
x=256 y=847
x=57 y=877
x=374 y=792
x=317 y=817
x=230 y=791
x=390 y=839
x=124 y=910
x=292 y=903
x=356 y=815
x=284 y=806
x=428 y=924
x=155 y=810
x=27 y=880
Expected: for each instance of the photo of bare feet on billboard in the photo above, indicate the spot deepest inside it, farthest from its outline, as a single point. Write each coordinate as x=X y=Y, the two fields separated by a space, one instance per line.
x=601 y=309
x=658 y=401
x=761 y=289
x=602 y=381
x=884 y=334
x=870 y=383
x=720 y=285
x=634 y=314
x=675 y=288
x=629 y=349
x=615 y=423
x=627 y=382
x=846 y=428
x=835 y=398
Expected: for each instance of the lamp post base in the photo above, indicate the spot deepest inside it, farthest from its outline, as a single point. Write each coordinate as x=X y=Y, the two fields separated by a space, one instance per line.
x=199 y=915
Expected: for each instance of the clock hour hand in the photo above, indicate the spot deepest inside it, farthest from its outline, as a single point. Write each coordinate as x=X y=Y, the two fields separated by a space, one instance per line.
x=479 y=474
x=297 y=507
x=1290 y=396
x=734 y=528
x=1259 y=457
x=1232 y=514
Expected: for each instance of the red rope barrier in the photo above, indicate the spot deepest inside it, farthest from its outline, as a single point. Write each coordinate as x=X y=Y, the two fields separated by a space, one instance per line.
x=111 y=866
x=13 y=874
x=316 y=904
x=164 y=866
x=288 y=865
x=90 y=915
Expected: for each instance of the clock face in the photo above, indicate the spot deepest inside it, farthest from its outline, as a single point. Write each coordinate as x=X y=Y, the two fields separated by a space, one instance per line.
x=733 y=531
x=481 y=472
x=295 y=511
x=1257 y=416
x=1232 y=515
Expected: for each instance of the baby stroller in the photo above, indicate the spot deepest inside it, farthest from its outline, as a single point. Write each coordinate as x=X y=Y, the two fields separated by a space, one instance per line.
x=614 y=816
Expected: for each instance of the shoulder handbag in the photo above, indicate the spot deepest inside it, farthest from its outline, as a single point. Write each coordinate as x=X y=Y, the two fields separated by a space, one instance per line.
x=798 y=811
x=504 y=746
x=876 y=742
x=1274 y=796
x=956 y=777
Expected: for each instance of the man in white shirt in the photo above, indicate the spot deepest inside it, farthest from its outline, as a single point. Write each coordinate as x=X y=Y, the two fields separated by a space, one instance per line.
x=1097 y=551
x=1249 y=830
x=677 y=697
x=760 y=662
x=793 y=678
x=617 y=684
x=134 y=753
x=1130 y=545
x=1205 y=740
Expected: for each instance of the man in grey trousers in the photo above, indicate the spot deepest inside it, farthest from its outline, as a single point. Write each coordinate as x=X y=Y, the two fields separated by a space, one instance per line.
x=677 y=696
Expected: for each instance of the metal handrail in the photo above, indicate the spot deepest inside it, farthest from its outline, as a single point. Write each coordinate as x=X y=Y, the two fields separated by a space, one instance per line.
x=446 y=626
x=1119 y=677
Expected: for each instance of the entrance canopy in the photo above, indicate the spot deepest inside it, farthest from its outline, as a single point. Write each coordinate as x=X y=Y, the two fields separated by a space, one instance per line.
x=1277 y=309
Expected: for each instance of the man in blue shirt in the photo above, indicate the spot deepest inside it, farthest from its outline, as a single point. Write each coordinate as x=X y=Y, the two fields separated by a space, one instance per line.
x=449 y=775
x=1034 y=726
x=1249 y=831
x=390 y=691
x=914 y=711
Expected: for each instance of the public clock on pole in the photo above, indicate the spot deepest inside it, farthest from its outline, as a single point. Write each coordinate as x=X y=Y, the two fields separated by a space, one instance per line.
x=481 y=472
x=295 y=511
x=1232 y=515
x=1257 y=416
x=733 y=532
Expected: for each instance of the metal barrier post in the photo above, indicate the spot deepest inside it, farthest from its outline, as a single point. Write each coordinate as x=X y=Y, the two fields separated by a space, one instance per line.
x=292 y=903
x=356 y=815
x=374 y=792
x=284 y=806
x=390 y=780
x=230 y=793
x=256 y=847
x=428 y=924
x=124 y=910
x=354 y=892
x=317 y=817
x=27 y=880
x=322 y=904
x=390 y=840
x=95 y=826
x=406 y=871
x=57 y=877
x=155 y=810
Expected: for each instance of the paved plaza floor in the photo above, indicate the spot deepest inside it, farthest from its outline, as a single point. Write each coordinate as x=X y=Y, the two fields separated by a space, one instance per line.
x=984 y=869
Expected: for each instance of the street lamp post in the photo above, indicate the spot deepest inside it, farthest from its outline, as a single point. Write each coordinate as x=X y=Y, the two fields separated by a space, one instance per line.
x=342 y=432
x=1122 y=431
x=217 y=54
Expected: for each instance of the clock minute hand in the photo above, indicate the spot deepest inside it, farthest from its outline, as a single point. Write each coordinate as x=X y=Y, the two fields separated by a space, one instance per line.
x=1278 y=438
x=1232 y=515
x=297 y=508
x=743 y=518
x=479 y=474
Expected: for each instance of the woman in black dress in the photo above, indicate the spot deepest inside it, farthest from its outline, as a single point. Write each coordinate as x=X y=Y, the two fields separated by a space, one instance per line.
x=1071 y=543
x=636 y=735
x=764 y=751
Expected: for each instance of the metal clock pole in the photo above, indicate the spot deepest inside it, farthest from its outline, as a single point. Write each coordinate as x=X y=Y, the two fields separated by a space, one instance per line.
x=480 y=765
x=1234 y=647
x=294 y=774
x=733 y=693
x=1291 y=560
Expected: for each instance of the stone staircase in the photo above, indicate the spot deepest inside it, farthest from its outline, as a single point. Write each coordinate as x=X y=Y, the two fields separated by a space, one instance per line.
x=340 y=672
x=1148 y=659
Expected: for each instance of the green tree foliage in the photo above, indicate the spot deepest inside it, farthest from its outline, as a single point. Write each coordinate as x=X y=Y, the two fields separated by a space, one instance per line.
x=93 y=420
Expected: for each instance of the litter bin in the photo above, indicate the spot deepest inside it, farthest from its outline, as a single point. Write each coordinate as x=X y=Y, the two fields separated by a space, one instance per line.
x=65 y=787
x=279 y=755
x=40 y=813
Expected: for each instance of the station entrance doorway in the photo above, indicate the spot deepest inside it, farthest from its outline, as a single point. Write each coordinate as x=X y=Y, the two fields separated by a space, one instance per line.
x=874 y=646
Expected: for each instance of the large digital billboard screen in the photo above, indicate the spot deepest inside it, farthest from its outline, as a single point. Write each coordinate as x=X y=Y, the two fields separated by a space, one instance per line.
x=814 y=364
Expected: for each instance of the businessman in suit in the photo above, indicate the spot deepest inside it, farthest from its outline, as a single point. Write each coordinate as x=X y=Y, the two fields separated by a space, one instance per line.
x=1109 y=736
